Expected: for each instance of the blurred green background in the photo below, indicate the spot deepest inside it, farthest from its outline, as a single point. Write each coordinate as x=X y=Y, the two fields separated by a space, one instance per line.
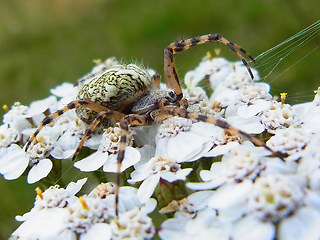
x=45 y=43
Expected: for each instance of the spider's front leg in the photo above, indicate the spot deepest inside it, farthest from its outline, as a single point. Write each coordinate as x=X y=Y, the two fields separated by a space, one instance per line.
x=171 y=76
x=166 y=112
x=111 y=114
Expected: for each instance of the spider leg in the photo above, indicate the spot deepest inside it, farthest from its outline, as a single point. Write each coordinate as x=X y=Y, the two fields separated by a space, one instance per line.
x=170 y=72
x=132 y=120
x=48 y=119
x=156 y=79
x=165 y=112
x=108 y=113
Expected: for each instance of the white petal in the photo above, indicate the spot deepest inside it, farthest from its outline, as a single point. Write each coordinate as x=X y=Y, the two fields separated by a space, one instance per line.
x=40 y=106
x=150 y=205
x=205 y=226
x=225 y=96
x=222 y=199
x=59 y=153
x=233 y=213
x=250 y=125
x=205 y=130
x=63 y=89
x=75 y=187
x=65 y=235
x=142 y=171
x=97 y=231
x=66 y=146
x=69 y=140
x=39 y=171
x=46 y=224
x=131 y=157
x=179 y=175
x=205 y=185
x=303 y=225
x=182 y=147
x=13 y=162
x=147 y=187
x=250 y=228
x=20 y=123
x=92 y=162
x=312 y=121
x=173 y=229
x=37 y=118
x=212 y=178
x=302 y=109
x=140 y=174
x=199 y=200
x=94 y=141
x=221 y=149
x=260 y=105
x=128 y=199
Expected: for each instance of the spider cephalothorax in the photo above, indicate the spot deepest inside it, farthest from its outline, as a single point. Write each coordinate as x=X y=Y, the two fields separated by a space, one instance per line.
x=132 y=96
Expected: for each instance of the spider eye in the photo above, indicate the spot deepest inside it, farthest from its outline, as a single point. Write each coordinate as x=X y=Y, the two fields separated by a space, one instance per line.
x=172 y=96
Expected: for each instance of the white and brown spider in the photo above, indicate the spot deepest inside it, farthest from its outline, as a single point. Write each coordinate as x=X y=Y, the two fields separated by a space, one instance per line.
x=129 y=95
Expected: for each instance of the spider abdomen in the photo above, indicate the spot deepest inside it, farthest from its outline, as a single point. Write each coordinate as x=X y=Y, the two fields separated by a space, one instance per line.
x=116 y=89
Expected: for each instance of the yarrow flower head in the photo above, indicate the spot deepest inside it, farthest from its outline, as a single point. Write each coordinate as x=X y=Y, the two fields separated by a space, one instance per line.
x=243 y=162
x=199 y=172
x=87 y=217
x=106 y=155
x=278 y=116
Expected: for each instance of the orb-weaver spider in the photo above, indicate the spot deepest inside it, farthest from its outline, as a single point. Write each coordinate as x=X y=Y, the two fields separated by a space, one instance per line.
x=129 y=95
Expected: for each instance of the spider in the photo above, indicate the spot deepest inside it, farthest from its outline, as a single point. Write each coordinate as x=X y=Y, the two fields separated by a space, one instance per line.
x=129 y=95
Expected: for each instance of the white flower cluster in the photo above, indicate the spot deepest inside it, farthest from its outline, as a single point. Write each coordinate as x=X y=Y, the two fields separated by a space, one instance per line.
x=248 y=194
x=217 y=183
x=59 y=214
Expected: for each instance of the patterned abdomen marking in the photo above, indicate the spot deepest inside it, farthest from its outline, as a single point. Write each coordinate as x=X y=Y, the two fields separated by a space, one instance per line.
x=117 y=89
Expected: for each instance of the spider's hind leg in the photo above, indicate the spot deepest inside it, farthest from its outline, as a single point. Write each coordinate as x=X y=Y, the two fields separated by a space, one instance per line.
x=126 y=121
x=48 y=119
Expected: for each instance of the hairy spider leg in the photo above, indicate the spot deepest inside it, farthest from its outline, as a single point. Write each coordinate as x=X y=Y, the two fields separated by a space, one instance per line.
x=156 y=80
x=125 y=121
x=166 y=112
x=241 y=50
x=48 y=119
x=162 y=114
x=171 y=77
x=112 y=114
x=132 y=120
